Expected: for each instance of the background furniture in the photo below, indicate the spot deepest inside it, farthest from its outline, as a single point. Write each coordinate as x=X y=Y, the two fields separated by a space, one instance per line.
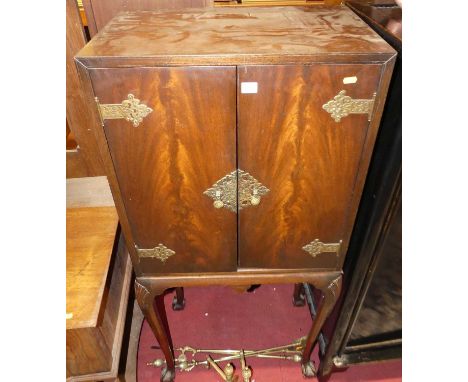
x=263 y=3
x=97 y=13
x=235 y=160
x=99 y=275
x=102 y=335
x=367 y=323
x=100 y=12
x=83 y=157
x=98 y=269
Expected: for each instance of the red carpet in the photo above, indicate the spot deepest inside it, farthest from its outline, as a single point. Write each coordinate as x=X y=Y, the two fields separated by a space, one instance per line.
x=221 y=318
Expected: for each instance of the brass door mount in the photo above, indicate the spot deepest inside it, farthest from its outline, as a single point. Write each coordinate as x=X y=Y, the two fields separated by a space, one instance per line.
x=316 y=247
x=342 y=105
x=131 y=110
x=236 y=190
x=160 y=252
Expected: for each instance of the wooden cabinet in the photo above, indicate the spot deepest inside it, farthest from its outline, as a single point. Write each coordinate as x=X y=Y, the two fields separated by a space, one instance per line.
x=236 y=142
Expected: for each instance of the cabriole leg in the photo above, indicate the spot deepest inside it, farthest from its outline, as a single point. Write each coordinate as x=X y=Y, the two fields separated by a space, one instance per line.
x=178 y=303
x=151 y=301
x=330 y=292
x=299 y=295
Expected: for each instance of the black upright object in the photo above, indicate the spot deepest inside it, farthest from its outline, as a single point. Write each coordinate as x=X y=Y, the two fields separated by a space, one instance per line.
x=366 y=324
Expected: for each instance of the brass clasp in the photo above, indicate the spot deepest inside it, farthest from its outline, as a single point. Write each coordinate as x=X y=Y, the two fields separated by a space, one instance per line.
x=236 y=190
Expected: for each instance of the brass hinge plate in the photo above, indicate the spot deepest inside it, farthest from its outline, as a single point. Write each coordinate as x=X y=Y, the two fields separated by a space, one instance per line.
x=342 y=105
x=160 y=252
x=130 y=109
x=316 y=247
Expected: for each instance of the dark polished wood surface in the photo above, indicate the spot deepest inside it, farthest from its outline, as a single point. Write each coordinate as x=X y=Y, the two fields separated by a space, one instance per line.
x=307 y=160
x=165 y=164
x=235 y=36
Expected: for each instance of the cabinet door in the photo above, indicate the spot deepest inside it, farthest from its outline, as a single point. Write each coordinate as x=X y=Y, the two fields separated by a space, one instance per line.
x=166 y=162
x=308 y=162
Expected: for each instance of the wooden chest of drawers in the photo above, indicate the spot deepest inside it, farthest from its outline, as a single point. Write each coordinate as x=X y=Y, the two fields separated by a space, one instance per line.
x=236 y=143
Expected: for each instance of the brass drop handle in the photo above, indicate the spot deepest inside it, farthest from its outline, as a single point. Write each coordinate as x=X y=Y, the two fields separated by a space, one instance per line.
x=255 y=199
x=218 y=203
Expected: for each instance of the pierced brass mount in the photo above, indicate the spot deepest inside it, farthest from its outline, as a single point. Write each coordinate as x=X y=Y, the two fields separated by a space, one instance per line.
x=316 y=247
x=160 y=252
x=225 y=192
x=342 y=105
x=130 y=109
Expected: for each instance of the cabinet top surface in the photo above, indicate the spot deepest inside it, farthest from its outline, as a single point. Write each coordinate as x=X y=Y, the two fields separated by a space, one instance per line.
x=215 y=36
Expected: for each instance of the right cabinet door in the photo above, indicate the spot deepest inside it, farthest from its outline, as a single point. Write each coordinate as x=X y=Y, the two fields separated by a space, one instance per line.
x=302 y=160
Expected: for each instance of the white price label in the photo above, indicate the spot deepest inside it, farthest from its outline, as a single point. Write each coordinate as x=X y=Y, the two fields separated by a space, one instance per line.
x=249 y=87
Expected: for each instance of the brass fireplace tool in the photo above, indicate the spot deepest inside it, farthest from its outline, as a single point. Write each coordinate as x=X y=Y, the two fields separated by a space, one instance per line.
x=290 y=352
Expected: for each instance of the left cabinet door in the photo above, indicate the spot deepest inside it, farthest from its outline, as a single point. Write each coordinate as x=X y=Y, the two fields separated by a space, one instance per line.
x=165 y=160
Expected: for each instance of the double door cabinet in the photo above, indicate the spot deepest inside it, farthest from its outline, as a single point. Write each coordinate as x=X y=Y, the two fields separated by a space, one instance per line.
x=214 y=179
x=236 y=143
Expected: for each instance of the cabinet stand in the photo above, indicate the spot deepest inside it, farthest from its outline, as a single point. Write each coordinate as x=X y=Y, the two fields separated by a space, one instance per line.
x=149 y=293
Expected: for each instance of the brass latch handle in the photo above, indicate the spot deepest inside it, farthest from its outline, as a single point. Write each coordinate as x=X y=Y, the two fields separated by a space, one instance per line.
x=218 y=203
x=236 y=190
x=256 y=198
